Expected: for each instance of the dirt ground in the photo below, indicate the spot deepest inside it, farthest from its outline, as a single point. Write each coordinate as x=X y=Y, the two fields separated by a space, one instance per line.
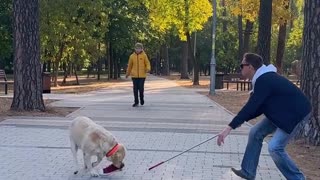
x=306 y=156
x=5 y=111
x=86 y=85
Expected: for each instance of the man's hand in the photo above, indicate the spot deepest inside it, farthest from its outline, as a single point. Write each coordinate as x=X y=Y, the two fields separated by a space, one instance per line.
x=223 y=134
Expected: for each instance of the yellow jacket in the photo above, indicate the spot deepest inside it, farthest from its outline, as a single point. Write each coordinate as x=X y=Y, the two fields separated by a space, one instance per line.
x=138 y=65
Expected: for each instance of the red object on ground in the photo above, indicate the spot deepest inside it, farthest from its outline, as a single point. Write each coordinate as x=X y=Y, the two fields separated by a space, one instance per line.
x=112 y=168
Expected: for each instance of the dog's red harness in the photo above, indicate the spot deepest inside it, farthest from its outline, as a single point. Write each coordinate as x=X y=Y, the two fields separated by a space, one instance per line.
x=113 y=150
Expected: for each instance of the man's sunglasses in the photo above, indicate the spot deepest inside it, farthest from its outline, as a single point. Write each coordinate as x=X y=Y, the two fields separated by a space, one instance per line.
x=242 y=65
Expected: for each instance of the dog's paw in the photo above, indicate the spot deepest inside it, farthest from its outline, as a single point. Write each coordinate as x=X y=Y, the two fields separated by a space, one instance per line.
x=94 y=173
x=77 y=171
x=80 y=171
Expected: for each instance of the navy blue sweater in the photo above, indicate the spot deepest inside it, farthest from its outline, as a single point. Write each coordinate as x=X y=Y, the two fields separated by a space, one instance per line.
x=278 y=99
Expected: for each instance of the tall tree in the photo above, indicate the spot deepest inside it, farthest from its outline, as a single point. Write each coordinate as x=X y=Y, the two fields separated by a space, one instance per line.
x=71 y=31
x=246 y=36
x=249 y=10
x=293 y=45
x=244 y=10
x=240 y=36
x=310 y=81
x=281 y=46
x=264 y=33
x=282 y=34
x=165 y=56
x=183 y=16
x=27 y=68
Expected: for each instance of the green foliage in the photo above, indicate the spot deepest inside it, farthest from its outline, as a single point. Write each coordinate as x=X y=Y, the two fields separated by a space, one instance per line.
x=294 y=42
x=249 y=10
x=76 y=27
x=293 y=16
x=293 y=49
x=227 y=42
x=128 y=24
x=181 y=15
x=84 y=27
x=227 y=52
x=6 y=34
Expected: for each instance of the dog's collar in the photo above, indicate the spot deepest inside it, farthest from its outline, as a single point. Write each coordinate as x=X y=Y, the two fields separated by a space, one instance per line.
x=113 y=150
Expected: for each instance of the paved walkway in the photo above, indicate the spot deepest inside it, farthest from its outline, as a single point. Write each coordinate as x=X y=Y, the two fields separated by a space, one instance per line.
x=172 y=120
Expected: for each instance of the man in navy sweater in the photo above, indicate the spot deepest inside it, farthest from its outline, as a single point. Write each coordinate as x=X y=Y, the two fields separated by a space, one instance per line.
x=284 y=107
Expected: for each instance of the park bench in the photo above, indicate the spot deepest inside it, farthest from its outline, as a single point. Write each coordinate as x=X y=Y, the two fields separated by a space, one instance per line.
x=235 y=78
x=3 y=80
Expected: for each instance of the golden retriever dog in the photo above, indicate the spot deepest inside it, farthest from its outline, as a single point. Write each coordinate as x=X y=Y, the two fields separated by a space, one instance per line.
x=94 y=140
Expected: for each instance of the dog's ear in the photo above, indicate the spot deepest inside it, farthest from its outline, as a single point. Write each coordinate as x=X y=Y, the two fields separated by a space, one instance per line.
x=94 y=136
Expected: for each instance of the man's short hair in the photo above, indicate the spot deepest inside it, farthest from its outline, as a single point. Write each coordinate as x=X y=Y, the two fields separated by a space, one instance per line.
x=254 y=59
x=138 y=45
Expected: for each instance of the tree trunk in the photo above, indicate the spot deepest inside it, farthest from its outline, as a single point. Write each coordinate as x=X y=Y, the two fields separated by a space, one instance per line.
x=224 y=15
x=310 y=80
x=75 y=73
x=165 y=57
x=56 y=63
x=89 y=69
x=49 y=65
x=281 y=42
x=108 y=51
x=1 y=63
x=264 y=33
x=246 y=36
x=167 y=68
x=55 y=73
x=224 y=28
x=115 y=66
x=281 y=46
x=240 y=36
x=27 y=94
x=184 y=61
x=99 y=68
x=112 y=60
x=195 y=63
x=99 y=63
x=65 y=73
x=158 y=64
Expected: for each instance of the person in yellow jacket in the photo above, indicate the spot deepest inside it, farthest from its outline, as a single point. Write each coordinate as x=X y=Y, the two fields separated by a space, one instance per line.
x=138 y=66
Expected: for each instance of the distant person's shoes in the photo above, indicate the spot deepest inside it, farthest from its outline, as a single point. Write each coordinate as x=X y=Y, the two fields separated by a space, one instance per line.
x=135 y=105
x=240 y=174
x=142 y=102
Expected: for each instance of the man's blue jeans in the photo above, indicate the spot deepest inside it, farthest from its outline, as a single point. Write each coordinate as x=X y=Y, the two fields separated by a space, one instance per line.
x=276 y=149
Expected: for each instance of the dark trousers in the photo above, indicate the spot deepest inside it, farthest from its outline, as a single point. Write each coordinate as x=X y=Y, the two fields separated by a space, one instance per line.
x=138 y=85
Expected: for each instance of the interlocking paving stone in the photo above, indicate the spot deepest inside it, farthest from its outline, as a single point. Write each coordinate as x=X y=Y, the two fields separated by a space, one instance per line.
x=173 y=119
